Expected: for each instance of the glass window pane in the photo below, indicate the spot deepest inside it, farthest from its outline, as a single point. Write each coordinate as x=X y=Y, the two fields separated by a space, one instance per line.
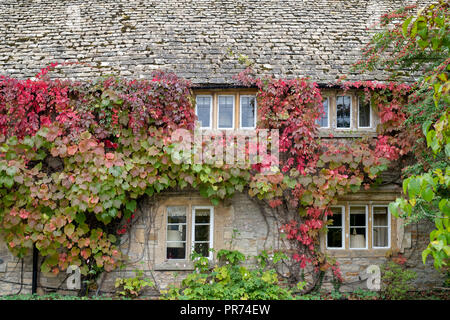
x=202 y=233
x=202 y=248
x=357 y=237
x=336 y=217
x=334 y=238
x=176 y=250
x=176 y=232
x=202 y=230
x=323 y=121
x=380 y=229
x=226 y=112
x=358 y=220
x=358 y=227
x=343 y=109
x=176 y=241
x=380 y=236
x=358 y=216
x=204 y=110
x=176 y=214
x=202 y=216
x=248 y=110
x=380 y=216
x=364 y=113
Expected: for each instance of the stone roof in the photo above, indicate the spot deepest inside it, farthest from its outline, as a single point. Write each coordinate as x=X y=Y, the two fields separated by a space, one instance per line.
x=193 y=38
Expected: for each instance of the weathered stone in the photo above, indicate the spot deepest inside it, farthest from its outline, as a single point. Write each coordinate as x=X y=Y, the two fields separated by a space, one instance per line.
x=320 y=39
x=140 y=235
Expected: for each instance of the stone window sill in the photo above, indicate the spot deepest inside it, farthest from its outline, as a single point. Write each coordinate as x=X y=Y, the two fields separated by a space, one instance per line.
x=355 y=253
x=325 y=133
x=175 y=266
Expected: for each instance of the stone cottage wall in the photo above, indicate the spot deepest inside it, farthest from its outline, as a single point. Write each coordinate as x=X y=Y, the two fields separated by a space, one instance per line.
x=239 y=225
x=143 y=247
x=407 y=241
x=354 y=267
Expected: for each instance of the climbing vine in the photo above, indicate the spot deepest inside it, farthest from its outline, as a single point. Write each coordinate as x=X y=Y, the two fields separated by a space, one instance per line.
x=75 y=158
x=418 y=42
x=316 y=171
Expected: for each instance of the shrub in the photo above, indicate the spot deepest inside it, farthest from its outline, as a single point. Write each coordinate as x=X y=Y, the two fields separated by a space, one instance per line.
x=132 y=287
x=364 y=294
x=396 y=280
x=230 y=280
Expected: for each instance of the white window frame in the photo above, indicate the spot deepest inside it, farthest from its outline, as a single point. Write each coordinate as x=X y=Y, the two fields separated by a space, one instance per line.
x=240 y=111
x=388 y=226
x=343 y=219
x=351 y=111
x=328 y=115
x=218 y=110
x=210 y=109
x=366 y=226
x=211 y=228
x=186 y=256
x=370 y=115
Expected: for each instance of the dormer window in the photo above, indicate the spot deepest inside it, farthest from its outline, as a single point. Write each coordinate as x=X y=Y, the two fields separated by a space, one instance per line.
x=226 y=109
x=346 y=114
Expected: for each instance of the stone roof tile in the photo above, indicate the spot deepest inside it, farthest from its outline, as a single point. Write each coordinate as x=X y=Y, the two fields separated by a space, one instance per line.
x=193 y=38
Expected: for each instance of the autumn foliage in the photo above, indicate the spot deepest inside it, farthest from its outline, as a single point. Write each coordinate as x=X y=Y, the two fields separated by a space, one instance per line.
x=315 y=171
x=76 y=157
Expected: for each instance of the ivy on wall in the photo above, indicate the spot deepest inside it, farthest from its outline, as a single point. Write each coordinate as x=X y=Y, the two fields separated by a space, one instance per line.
x=417 y=41
x=76 y=157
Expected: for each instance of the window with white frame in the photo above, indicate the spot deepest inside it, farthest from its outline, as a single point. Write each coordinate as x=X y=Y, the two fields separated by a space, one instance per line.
x=364 y=113
x=358 y=227
x=203 y=110
x=324 y=120
x=176 y=232
x=225 y=112
x=227 y=109
x=336 y=230
x=380 y=227
x=343 y=112
x=248 y=112
x=196 y=229
x=202 y=230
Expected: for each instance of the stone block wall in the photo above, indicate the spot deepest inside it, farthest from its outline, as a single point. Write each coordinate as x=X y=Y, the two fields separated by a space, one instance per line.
x=238 y=224
x=354 y=267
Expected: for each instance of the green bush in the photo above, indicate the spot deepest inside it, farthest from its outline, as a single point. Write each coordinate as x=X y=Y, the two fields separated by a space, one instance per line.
x=230 y=280
x=54 y=296
x=396 y=280
x=132 y=287
x=311 y=296
x=364 y=294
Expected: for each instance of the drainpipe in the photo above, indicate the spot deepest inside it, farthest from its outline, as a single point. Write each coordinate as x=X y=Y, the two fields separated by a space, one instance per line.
x=35 y=270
